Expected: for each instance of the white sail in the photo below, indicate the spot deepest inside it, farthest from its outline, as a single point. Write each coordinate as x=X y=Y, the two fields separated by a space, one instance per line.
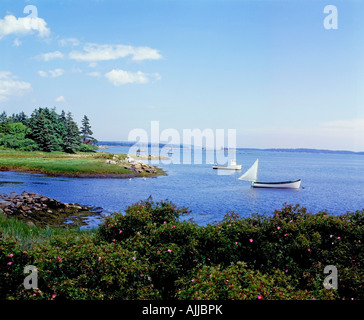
x=252 y=173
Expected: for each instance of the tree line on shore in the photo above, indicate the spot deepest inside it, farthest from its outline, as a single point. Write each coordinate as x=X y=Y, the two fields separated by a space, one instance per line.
x=46 y=130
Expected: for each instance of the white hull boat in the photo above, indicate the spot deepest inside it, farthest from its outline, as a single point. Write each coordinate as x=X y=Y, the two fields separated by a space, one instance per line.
x=252 y=175
x=232 y=166
x=282 y=185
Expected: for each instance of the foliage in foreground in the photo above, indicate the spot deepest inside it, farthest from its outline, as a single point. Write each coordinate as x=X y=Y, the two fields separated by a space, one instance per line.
x=148 y=253
x=45 y=130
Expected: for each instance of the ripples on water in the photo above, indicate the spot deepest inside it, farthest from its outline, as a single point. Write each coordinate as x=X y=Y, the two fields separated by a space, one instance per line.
x=332 y=182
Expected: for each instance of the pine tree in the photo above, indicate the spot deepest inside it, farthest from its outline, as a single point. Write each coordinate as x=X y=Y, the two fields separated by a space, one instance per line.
x=4 y=123
x=45 y=129
x=71 y=140
x=20 y=117
x=86 y=132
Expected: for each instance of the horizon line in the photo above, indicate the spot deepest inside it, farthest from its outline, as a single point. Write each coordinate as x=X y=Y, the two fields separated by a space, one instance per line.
x=299 y=149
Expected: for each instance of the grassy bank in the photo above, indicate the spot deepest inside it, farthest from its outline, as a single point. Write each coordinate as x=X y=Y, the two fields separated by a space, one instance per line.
x=59 y=163
x=29 y=235
x=148 y=253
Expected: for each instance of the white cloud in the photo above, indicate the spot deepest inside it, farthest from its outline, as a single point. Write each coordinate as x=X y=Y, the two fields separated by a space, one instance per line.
x=94 y=74
x=43 y=73
x=60 y=99
x=16 y=42
x=69 y=42
x=95 y=52
x=50 y=56
x=51 y=73
x=23 y=26
x=10 y=86
x=56 y=73
x=119 y=77
x=92 y=64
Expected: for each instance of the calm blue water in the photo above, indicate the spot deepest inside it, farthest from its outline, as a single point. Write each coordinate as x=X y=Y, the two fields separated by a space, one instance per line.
x=334 y=182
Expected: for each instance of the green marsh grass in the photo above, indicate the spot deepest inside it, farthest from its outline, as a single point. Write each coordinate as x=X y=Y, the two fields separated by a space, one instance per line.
x=28 y=235
x=58 y=163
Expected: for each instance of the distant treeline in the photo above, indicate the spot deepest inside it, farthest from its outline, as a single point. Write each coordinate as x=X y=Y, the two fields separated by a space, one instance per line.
x=161 y=145
x=46 y=130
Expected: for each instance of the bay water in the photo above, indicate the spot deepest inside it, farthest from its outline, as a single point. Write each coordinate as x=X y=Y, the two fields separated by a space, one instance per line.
x=330 y=181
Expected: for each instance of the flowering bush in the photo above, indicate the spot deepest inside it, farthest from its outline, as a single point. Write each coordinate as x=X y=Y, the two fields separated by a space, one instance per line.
x=237 y=282
x=148 y=253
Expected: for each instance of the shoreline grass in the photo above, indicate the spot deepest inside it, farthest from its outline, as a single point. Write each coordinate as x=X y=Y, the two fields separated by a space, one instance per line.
x=59 y=163
x=28 y=235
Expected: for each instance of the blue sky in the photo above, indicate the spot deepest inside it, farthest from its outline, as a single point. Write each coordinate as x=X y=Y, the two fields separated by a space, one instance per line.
x=268 y=69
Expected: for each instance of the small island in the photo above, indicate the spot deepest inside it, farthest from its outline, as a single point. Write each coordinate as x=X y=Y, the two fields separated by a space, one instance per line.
x=53 y=144
x=79 y=165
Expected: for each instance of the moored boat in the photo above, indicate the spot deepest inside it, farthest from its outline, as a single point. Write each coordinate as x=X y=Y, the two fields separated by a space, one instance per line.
x=252 y=175
x=231 y=166
x=283 y=185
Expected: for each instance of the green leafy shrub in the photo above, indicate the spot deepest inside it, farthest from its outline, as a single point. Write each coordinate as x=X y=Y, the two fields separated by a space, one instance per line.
x=148 y=253
x=237 y=282
x=118 y=227
x=83 y=147
x=81 y=269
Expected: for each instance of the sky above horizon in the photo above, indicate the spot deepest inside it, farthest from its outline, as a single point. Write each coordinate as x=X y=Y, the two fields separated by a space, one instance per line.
x=268 y=68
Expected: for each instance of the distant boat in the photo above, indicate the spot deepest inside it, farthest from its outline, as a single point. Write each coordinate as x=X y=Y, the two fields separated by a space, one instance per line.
x=252 y=175
x=139 y=150
x=231 y=166
x=170 y=151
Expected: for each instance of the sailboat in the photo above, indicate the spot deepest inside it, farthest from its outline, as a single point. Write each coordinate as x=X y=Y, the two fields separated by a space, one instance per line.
x=231 y=166
x=252 y=175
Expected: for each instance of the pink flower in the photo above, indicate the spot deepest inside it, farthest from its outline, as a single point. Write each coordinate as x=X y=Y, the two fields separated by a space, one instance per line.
x=236 y=243
x=260 y=296
x=286 y=271
x=59 y=258
x=251 y=240
x=53 y=296
x=169 y=250
x=278 y=228
x=11 y=255
x=134 y=258
x=137 y=211
x=158 y=251
x=285 y=235
x=120 y=231
x=10 y=263
x=173 y=226
x=339 y=238
x=309 y=249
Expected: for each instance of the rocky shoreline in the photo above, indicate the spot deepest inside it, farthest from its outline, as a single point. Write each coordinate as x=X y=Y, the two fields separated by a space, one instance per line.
x=136 y=166
x=40 y=210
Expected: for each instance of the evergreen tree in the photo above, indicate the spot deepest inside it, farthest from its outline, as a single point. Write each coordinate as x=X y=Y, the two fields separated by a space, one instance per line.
x=44 y=129
x=86 y=132
x=20 y=117
x=62 y=117
x=71 y=140
x=4 y=123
